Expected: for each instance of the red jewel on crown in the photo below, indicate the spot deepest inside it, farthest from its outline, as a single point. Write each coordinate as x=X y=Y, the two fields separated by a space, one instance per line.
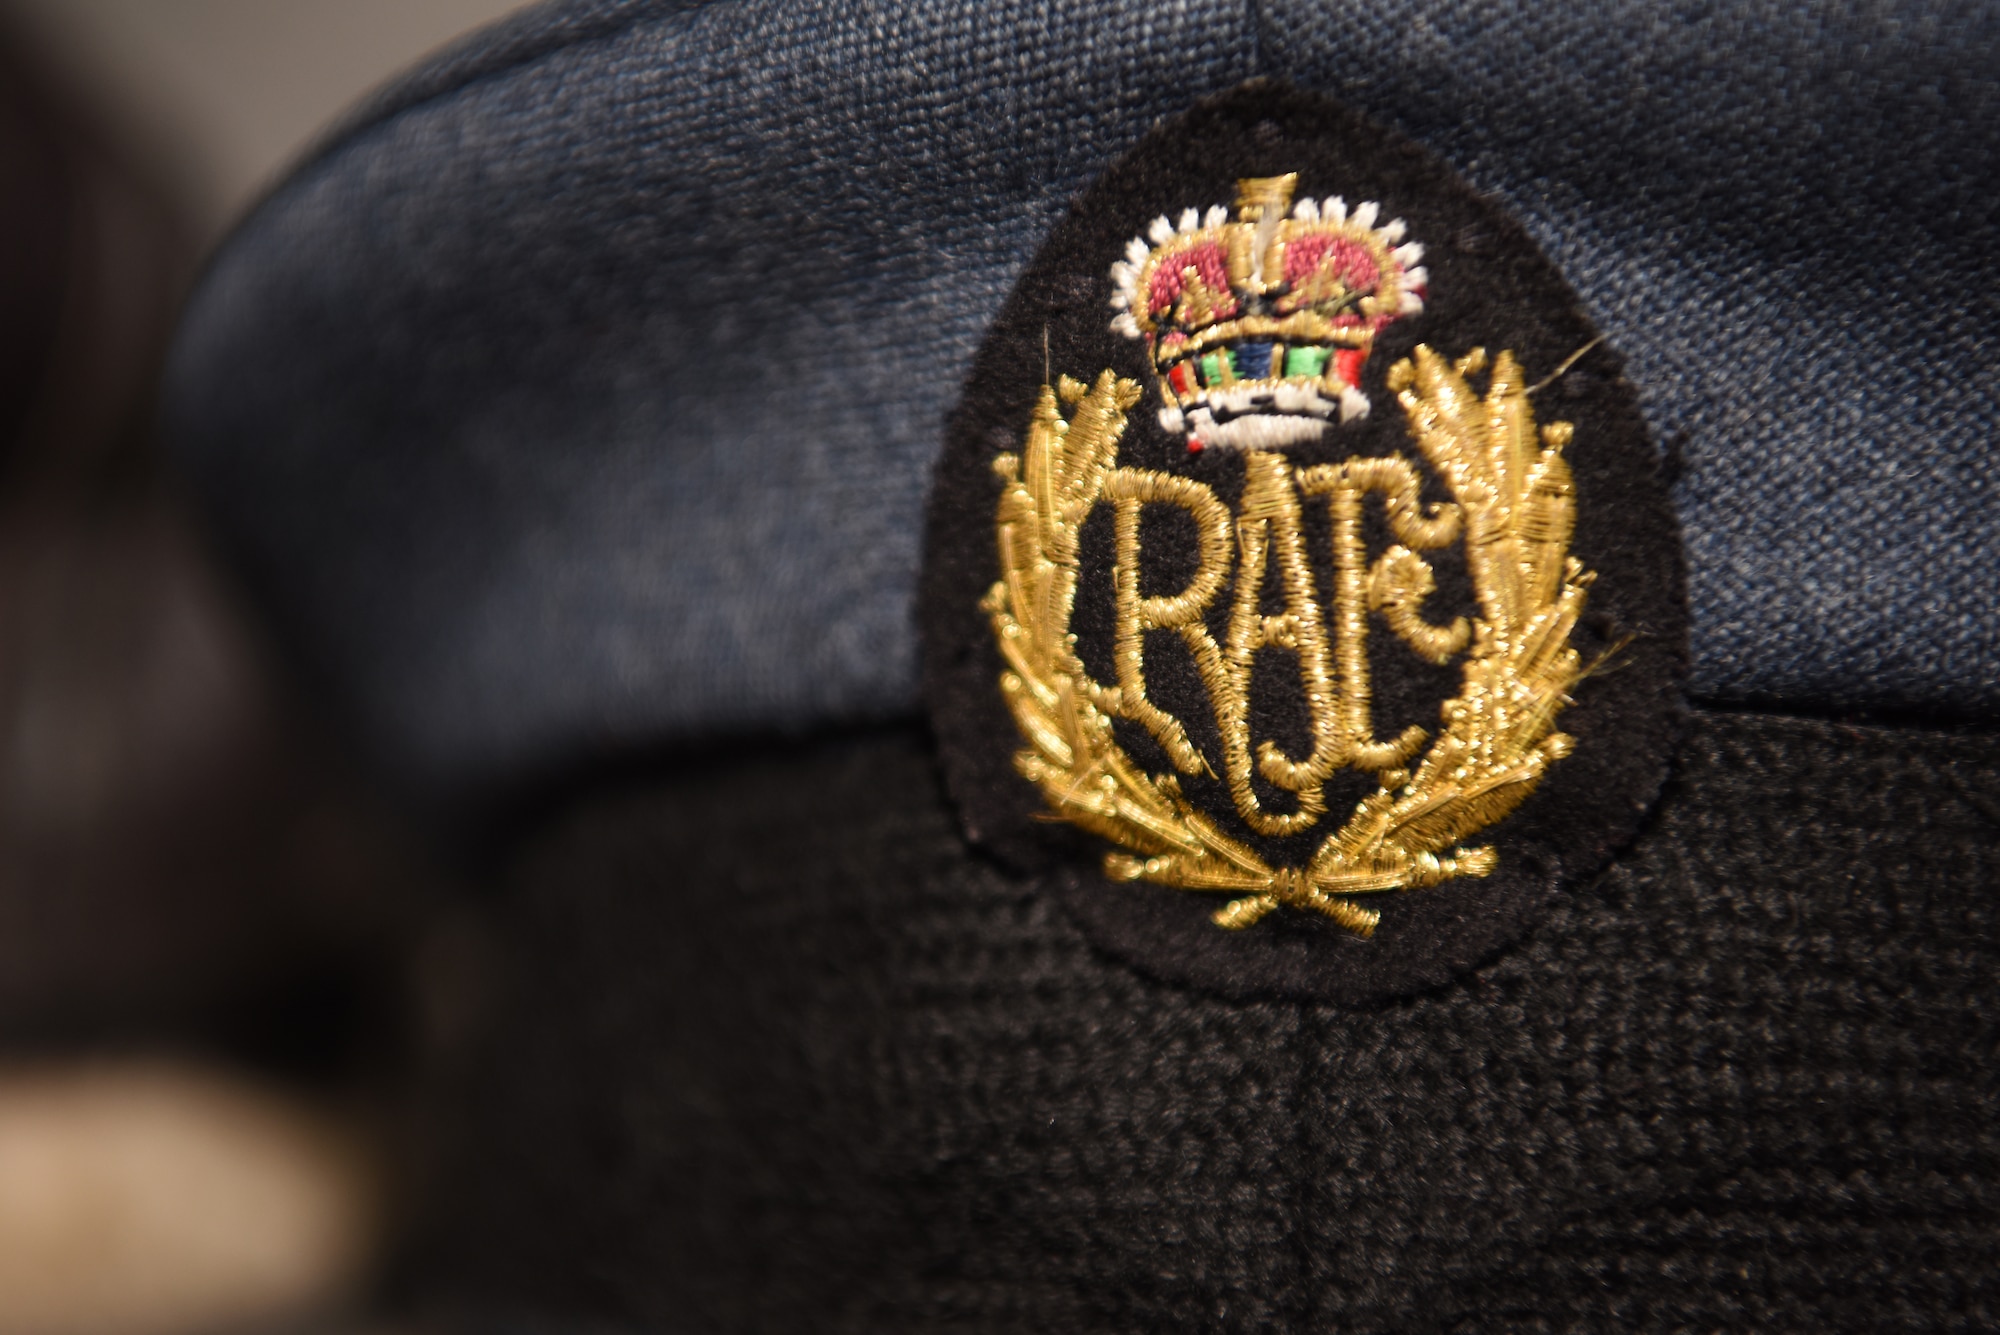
x=1257 y=325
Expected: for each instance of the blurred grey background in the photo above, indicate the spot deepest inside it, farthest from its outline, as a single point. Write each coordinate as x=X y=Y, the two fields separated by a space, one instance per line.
x=219 y=95
x=219 y=962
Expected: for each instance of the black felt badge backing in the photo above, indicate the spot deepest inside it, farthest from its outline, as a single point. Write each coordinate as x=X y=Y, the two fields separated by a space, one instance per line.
x=1489 y=287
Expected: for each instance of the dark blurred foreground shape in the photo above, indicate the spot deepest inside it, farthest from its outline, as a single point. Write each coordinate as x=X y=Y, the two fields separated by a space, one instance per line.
x=199 y=971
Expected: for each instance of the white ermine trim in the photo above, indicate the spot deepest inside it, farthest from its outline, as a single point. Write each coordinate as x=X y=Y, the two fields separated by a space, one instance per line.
x=1241 y=399
x=1302 y=399
x=1127 y=275
x=1171 y=419
x=1256 y=433
x=1353 y=404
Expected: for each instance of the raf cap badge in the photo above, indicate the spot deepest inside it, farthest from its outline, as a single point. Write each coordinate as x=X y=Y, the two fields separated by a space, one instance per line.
x=1302 y=602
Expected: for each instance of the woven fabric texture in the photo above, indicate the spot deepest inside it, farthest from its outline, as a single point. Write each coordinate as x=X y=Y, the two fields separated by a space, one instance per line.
x=780 y=1055
x=587 y=388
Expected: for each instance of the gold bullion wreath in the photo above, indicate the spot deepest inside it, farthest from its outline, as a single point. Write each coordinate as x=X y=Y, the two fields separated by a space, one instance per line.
x=1517 y=500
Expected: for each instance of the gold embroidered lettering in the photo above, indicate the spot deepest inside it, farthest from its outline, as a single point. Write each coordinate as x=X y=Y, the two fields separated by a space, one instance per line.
x=1514 y=501
x=1267 y=526
x=1397 y=584
x=1130 y=490
x=1333 y=670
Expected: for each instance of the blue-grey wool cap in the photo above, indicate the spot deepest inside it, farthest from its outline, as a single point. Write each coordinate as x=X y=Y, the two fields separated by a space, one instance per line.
x=580 y=393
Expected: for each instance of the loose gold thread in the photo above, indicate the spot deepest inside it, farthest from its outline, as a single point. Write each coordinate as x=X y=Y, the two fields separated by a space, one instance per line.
x=1562 y=367
x=1514 y=505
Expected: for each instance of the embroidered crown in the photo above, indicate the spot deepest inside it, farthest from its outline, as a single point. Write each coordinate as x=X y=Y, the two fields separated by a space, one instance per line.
x=1258 y=325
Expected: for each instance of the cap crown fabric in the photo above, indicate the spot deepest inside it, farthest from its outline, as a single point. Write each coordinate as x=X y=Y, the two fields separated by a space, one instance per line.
x=585 y=387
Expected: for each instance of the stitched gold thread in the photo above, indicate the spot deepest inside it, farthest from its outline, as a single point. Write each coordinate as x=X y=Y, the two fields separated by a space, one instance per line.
x=1270 y=529
x=1212 y=284
x=1305 y=326
x=1321 y=285
x=1395 y=585
x=1269 y=519
x=1197 y=304
x=1132 y=489
x=1514 y=506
